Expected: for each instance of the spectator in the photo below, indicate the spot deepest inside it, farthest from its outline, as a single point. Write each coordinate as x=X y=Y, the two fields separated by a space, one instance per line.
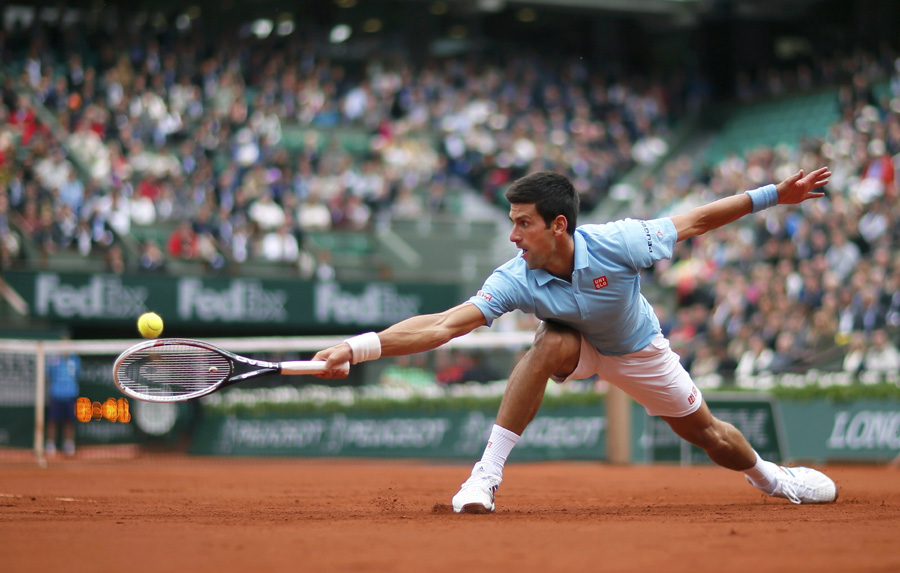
x=9 y=240
x=705 y=367
x=878 y=172
x=450 y=366
x=72 y=192
x=843 y=255
x=324 y=269
x=114 y=211
x=266 y=213
x=24 y=120
x=756 y=359
x=64 y=228
x=182 y=242
x=865 y=311
x=882 y=355
x=151 y=259
x=821 y=334
x=478 y=370
x=63 y=372
x=313 y=214
x=115 y=260
x=407 y=205
x=855 y=354
x=786 y=357
x=281 y=245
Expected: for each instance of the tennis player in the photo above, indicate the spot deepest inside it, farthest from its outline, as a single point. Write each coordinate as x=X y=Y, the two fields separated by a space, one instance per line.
x=584 y=284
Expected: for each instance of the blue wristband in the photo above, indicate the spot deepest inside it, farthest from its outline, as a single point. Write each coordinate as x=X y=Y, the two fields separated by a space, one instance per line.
x=763 y=197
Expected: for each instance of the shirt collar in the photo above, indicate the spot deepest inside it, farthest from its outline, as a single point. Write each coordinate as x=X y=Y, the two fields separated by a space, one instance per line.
x=581 y=260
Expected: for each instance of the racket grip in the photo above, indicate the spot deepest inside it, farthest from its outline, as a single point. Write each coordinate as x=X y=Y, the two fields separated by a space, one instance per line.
x=292 y=367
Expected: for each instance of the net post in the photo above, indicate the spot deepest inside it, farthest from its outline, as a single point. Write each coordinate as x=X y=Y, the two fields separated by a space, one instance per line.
x=618 y=419
x=40 y=396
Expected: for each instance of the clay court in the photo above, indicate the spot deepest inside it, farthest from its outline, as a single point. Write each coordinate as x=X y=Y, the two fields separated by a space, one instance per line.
x=170 y=514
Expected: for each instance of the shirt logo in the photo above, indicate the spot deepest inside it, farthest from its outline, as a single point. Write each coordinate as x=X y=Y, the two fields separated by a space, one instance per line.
x=484 y=295
x=647 y=234
x=659 y=234
x=600 y=282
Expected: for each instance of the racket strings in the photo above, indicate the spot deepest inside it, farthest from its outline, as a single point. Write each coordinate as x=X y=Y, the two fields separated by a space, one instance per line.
x=173 y=370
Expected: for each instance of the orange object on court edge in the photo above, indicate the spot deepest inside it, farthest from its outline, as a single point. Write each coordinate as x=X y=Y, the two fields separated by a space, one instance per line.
x=83 y=409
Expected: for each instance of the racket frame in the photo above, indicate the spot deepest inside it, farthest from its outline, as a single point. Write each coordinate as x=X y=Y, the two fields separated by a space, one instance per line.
x=261 y=368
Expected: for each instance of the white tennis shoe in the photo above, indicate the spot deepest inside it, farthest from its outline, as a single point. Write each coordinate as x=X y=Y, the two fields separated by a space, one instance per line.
x=804 y=485
x=477 y=493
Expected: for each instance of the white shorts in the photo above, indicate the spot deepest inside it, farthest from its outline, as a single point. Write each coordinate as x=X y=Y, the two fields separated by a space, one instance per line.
x=653 y=376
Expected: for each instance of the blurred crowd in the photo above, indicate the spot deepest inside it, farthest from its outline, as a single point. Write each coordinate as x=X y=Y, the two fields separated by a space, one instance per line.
x=102 y=135
x=791 y=289
x=107 y=134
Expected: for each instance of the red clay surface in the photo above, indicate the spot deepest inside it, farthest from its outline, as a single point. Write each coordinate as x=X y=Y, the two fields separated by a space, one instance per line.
x=171 y=514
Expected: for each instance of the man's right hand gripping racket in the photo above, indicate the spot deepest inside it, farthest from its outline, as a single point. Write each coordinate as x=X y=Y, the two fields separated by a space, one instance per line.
x=179 y=369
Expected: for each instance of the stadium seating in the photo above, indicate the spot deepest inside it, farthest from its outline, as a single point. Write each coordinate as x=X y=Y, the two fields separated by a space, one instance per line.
x=783 y=121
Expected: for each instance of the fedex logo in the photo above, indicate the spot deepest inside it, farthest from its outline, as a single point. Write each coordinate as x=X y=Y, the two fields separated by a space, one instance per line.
x=600 y=282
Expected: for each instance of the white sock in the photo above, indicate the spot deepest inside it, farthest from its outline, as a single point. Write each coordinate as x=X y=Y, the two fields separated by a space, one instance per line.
x=763 y=475
x=499 y=445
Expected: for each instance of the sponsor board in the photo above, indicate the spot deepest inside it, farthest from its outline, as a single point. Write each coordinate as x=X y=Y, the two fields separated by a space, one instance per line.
x=297 y=305
x=822 y=430
x=239 y=300
x=376 y=304
x=865 y=430
x=566 y=433
x=100 y=296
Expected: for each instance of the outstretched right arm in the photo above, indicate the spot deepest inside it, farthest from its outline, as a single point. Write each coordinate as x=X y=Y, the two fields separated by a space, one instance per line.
x=410 y=336
x=795 y=189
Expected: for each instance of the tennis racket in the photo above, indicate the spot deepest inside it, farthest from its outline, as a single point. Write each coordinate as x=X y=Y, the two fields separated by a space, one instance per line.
x=179 y=369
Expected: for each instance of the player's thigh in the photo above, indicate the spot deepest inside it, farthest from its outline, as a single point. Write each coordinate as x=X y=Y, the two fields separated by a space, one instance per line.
x=584 y=362
x=655 y=378
x=559 y=344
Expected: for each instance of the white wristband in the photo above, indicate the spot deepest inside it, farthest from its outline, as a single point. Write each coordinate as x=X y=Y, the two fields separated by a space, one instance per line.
x=366 y=346
x=764 y=197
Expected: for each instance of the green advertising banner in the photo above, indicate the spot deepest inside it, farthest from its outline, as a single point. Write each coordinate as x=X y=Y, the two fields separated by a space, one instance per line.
x=820 y=430
x=556 y=433
x=158 y=424
x=756 y=416
x=17 y=426
x=17 y=430
x=150 y=423
x=289 y=304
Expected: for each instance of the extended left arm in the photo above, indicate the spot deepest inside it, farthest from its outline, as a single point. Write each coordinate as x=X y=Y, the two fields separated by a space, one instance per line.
x=795 y=189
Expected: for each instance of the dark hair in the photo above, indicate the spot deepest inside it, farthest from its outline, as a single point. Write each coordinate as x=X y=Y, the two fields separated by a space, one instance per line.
x=552 y=195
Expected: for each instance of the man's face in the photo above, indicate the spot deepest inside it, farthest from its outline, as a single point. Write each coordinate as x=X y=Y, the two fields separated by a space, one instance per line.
x=531 y=235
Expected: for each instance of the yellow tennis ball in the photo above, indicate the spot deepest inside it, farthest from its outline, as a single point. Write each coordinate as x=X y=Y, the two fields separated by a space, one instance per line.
x=150 y=325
